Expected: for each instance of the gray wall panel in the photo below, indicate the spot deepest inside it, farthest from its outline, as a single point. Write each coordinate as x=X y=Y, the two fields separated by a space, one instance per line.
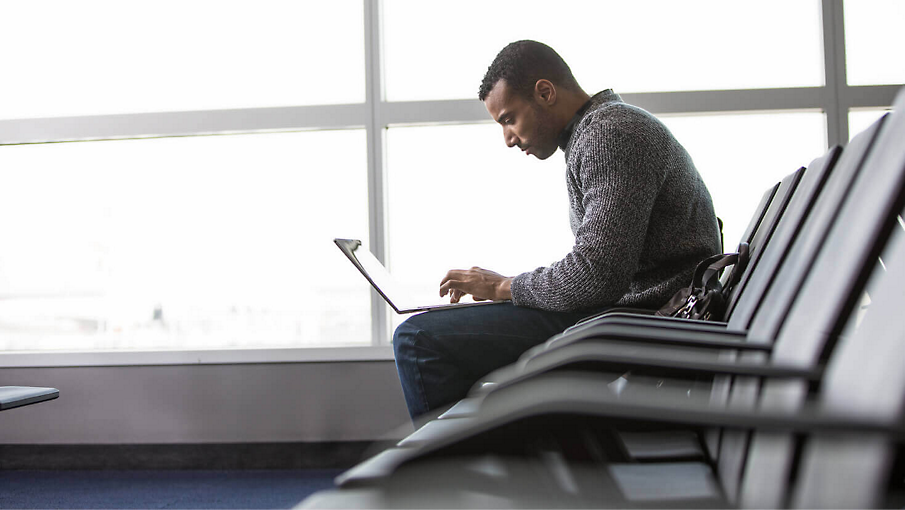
x=344 y=401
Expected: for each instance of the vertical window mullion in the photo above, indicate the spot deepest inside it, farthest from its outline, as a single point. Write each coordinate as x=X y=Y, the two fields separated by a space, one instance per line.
x=834 y=67
x=376 y=169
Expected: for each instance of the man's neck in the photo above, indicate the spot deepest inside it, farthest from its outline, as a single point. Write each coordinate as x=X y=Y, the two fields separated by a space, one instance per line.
x=573 y=103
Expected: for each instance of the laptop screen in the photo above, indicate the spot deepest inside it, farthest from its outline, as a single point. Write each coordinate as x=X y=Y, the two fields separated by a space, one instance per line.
x=380 y=278
x=400 y=297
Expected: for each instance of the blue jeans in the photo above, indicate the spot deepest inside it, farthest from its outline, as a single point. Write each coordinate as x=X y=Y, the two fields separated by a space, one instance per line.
x=442 y=353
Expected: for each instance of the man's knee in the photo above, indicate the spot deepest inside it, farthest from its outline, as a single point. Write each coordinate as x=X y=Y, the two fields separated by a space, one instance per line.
x=414 y=332
x=410 y=339
x=404 y=338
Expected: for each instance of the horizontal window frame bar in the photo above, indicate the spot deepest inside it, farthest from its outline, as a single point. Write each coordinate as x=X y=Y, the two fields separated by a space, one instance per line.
x=869 y=96
x=172 y=124
x=234 y=356
x=449 y=111
x=658 y=103
x=730 y=101
x=348 y=116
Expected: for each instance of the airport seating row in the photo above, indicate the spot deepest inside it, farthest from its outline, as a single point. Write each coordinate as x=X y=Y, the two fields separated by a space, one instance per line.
x=796 y=398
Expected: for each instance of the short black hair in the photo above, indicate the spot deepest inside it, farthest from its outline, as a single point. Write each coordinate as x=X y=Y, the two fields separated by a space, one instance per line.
x=522 y=63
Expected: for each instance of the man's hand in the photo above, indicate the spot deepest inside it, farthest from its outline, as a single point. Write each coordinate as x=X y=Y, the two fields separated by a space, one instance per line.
x=482 y=284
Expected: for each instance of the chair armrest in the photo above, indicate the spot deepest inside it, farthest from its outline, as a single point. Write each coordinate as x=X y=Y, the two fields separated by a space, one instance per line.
x=646 y=320
x=576 y=392
x=692 y=337
x=666 y=362
x=583 y=393
x=618 y=311
x=588 y=394
x=618 y=357
x=18 y=396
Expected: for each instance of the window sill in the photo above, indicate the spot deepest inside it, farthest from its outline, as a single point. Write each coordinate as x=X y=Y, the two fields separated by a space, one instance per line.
x=40 y=359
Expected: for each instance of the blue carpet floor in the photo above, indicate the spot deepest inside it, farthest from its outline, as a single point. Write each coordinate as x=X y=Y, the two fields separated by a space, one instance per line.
x=161 y=489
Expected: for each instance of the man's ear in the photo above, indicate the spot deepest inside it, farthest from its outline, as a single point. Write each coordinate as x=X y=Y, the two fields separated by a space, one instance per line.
x=545 y=92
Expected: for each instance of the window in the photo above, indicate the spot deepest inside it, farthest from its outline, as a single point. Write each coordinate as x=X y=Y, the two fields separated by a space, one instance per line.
x=103 y=56
x=440 y=50
x=192 y=242
x=873 y=40
x=213 y=150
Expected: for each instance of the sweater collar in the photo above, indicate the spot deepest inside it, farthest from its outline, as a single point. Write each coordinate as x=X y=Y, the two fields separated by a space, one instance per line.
x=604 y=96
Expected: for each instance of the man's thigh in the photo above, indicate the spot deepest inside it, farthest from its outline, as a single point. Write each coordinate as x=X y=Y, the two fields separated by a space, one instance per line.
x=481 y=339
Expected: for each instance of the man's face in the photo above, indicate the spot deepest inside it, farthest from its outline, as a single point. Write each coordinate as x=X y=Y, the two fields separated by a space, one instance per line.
x=527 y=122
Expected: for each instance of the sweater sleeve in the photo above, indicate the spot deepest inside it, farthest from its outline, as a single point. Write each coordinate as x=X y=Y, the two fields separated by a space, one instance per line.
x=619 y=172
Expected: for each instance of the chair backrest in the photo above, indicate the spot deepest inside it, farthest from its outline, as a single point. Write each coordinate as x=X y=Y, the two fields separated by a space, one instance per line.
x=786 y=285
x=759 y=213
x=800 y=206
x=864 y=379
x=831 y=289
x=834 y=224
x=774 y=211
x=798 y=240
x=772 y=214
x=856 y=238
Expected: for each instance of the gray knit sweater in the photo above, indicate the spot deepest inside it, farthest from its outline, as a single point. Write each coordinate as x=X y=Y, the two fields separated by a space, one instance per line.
x=640 y=212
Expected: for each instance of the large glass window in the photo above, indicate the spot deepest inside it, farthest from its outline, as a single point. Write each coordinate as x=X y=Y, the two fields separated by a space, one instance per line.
x=873 y=42
x=93 y=57
x=440 y=50
x=195 y=242
x=208 y=240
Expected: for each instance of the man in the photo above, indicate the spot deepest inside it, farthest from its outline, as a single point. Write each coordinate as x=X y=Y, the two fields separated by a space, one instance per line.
x=640 y=212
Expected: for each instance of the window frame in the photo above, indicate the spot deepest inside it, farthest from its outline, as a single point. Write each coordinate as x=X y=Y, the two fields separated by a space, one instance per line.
x=376 y=115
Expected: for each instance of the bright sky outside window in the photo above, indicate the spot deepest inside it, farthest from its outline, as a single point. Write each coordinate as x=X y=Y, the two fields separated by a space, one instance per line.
x=873 y=42
x=197 y=242
x=861 y=119
x=438 y=50
x=93 y=57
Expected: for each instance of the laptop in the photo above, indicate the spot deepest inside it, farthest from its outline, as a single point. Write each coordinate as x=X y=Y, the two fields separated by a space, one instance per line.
x=379 y=278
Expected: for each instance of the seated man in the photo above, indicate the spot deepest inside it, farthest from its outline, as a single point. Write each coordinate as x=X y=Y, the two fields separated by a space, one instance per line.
x=640 y=212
